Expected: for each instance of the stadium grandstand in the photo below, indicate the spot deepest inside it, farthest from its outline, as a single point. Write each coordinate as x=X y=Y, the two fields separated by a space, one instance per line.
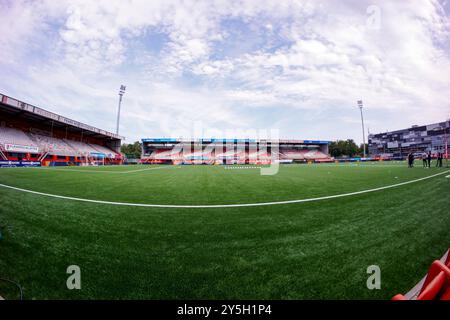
x=31 y=136
x=417 y=139
x=233 y=151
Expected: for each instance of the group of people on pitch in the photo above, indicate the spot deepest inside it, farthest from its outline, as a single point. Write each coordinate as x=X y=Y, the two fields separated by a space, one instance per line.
x=426 y=159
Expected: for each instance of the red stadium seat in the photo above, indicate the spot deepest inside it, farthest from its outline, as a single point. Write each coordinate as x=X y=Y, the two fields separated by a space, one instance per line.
x=446 y=294
x=431 y=291
x=398 y=297
x=437 y=268
x=436 y=284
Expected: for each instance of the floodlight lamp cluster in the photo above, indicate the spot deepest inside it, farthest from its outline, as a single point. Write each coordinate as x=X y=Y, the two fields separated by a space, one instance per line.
x=122 y=90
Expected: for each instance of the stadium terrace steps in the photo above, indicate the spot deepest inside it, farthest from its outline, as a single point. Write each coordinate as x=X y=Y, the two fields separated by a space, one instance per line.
x=303 y=155
x=263 y=155
x=104 y=150
x=80 y=147
x=164 y=154
x=15 y=136
x=52 y=145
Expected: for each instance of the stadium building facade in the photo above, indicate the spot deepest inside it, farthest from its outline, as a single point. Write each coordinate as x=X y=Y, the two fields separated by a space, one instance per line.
x=31 y=136
x=417 y=139
x=233 y=151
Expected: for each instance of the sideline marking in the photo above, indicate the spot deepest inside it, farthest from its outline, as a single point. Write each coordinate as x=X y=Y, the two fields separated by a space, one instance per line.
x=241 y=167
x=155 y=168
x=100 y=171
x=224 y=205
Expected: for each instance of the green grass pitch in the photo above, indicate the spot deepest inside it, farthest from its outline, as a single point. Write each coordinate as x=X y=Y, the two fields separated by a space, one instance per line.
x=308 y=250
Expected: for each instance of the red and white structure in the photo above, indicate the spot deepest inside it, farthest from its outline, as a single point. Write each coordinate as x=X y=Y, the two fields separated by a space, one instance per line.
x=233 y=151
x=32 y=134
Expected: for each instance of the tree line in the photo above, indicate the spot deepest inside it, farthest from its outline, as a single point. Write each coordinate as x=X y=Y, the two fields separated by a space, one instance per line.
x=346 y=148
x=132 y=150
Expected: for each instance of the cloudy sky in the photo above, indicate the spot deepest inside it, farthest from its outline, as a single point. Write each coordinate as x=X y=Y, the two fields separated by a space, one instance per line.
x=297 y=66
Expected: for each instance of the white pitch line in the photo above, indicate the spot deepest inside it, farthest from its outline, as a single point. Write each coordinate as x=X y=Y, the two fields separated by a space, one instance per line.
x=100 y=171
x=77 y=170
x=157 y=168
x=223 y=205
x=358 y=165
x=241 y=167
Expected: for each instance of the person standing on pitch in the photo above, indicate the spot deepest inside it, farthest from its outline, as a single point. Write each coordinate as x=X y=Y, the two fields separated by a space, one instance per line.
x=439 y=160
x=410 y=160
x=429 y=159
x=424 y=160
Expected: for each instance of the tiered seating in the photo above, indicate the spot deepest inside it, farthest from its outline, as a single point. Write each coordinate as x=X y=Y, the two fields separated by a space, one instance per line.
x=435 y=285
x=315 y=155
x=49 y=145
x=108 y=152
x=262 y=155
x=303 y=154
x=165 y=154
x=294 y=154
x=53 y=146
x=80 y=147
x=228 y=156
x=14 y=136
x=180 y=155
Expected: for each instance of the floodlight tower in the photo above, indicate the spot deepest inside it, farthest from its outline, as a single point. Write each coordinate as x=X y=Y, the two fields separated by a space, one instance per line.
x=121 y=93
x=446 y=145
x=360 y=105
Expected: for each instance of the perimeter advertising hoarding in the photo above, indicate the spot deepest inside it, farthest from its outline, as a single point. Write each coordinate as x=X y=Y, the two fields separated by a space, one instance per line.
x=21 y=148
x=4 y=164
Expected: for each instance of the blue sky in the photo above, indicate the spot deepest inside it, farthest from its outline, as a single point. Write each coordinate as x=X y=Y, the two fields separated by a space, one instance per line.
x=231 y=66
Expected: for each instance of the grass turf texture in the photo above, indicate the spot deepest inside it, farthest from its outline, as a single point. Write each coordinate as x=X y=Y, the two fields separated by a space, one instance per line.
x=295 y=251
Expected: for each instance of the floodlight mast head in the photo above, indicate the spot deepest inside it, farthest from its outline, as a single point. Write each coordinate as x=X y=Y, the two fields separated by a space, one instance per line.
x=122 y=90
x=360 y=104
x=121 y=93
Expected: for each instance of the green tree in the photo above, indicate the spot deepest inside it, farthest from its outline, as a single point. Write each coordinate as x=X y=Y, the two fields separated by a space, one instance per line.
x=341 y=148
x=132 y=150
x=361 y=149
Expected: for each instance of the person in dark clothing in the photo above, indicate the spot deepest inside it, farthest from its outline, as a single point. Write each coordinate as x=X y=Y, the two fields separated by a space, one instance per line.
x=429 y=159
x=410 y=160
x=439 y=160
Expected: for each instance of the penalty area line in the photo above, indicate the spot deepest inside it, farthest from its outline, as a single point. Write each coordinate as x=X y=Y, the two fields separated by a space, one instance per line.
x=223 y=205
